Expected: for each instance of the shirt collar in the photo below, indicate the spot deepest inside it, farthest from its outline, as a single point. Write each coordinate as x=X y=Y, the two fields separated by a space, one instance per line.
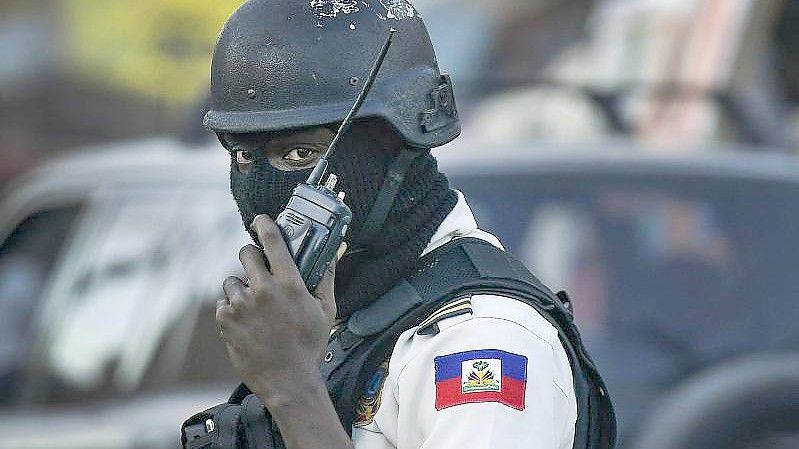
x=458 y=223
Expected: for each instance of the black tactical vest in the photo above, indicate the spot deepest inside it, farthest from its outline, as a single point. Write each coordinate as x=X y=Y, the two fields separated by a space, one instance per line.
x=458 y=269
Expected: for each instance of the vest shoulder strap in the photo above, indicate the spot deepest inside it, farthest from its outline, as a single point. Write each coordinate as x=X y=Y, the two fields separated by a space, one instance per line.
x=457 y=268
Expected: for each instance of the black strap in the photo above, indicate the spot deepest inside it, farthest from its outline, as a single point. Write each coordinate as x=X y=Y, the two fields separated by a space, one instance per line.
x=386 y=310
x=388 y=192
x=468 y=263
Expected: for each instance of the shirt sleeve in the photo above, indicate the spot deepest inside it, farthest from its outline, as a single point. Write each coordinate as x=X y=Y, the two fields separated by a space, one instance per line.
x=485 y=382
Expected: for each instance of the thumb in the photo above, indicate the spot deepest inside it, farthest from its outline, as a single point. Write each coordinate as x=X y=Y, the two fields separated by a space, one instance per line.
x=325 y=290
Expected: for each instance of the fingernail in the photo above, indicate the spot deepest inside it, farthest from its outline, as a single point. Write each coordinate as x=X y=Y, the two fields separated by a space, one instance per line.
x=341 y=250
x=256 y=219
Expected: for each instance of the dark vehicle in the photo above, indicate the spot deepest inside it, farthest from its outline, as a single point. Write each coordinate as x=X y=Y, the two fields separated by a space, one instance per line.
x=676 y=265
x=682 y=269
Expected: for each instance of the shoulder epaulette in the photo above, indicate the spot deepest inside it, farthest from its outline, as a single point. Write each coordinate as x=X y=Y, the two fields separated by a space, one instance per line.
x=453 y=308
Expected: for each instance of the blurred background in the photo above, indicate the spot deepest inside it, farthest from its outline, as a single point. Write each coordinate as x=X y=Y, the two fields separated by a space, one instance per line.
x=640 y=154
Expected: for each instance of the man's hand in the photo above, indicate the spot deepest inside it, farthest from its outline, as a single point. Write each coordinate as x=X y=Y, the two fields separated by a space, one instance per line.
x=274 y=329
x=275 y=332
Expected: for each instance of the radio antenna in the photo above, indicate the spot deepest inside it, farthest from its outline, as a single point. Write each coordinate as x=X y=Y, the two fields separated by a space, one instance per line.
x=321 y=166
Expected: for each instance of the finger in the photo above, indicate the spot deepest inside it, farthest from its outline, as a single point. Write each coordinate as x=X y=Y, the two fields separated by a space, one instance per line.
x=252 y=259
x=325 y=290
x=224 y=313
x=280 y=259
x=327 y=283
x=342 y=249
x=235 y=292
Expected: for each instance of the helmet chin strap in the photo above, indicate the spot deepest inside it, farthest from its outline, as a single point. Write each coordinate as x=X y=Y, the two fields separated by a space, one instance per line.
x=388 y=192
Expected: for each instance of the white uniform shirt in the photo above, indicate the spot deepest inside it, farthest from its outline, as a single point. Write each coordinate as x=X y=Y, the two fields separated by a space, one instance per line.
x=504 y=380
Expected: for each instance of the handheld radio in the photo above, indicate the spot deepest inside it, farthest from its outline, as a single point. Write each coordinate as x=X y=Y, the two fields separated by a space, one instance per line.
x=316 y=219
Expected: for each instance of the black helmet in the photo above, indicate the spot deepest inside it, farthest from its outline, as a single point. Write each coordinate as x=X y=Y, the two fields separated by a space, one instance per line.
x=282 y=64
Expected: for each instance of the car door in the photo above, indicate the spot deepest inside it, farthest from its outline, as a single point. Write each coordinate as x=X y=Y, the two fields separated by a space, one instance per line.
x=111 y=336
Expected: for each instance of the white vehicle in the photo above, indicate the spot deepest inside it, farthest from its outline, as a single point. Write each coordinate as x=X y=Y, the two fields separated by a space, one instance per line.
x=109 y=272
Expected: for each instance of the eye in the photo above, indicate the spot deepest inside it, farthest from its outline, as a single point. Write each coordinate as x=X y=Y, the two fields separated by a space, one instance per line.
x=299 y=154
x=243 y=157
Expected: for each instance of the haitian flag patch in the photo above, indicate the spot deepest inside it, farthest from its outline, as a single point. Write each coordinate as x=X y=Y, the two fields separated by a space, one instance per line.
x=485 y=375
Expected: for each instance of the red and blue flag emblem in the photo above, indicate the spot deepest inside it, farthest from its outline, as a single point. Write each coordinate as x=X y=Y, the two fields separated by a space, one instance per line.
x=485 y=375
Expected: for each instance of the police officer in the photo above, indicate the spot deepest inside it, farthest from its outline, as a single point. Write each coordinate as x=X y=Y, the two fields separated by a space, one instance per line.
x=482 y=369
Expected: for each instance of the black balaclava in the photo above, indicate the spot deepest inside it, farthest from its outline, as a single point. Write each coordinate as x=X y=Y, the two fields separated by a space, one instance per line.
x=360 y=161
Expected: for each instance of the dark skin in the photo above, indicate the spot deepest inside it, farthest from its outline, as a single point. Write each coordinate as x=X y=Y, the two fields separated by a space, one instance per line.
x=274 y=329
x=286 y=150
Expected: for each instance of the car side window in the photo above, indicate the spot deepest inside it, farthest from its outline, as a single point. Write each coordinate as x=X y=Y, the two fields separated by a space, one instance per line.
x=119 y=315
x=27 y=259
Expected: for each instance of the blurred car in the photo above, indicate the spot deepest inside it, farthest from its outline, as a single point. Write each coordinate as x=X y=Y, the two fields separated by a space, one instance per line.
x=110 y=267
x=677 y=265
x=111 y=262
